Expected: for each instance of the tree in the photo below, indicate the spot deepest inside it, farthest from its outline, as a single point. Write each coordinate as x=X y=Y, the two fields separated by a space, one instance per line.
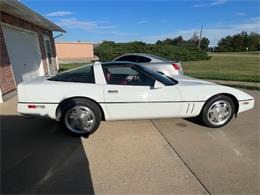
x=204 y=43
x=167 y=41
x=254 y=42
x=195 y=39
x=178 y=41
x=225 y=44
x=240 y=42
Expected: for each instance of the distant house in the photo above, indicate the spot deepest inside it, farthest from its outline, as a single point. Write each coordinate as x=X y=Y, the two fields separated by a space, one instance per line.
x=27 y=46
x=74 y=51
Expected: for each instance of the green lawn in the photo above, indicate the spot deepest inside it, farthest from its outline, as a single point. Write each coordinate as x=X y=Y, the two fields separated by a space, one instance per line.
x=64 y=67
x=221 y=66
x=226 y=66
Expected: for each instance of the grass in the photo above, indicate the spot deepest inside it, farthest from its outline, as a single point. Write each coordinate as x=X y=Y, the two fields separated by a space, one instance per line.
x=64 y=67
x=237 y=66
x=226 y=66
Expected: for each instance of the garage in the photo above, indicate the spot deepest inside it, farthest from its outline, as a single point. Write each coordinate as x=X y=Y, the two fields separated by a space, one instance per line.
x=24 y=53
x=27 y=46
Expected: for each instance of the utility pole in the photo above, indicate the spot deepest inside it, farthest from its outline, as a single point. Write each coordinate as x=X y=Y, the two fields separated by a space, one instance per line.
x=200 y=36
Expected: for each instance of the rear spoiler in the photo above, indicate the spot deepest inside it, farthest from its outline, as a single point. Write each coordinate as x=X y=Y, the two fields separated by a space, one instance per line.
x=175 y=61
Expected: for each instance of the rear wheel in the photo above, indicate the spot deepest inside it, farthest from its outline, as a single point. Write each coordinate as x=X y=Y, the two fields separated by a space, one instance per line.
x=81 y=117
x=218 y=111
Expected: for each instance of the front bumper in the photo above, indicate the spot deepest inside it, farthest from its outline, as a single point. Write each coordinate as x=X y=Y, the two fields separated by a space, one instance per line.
x=245 y=105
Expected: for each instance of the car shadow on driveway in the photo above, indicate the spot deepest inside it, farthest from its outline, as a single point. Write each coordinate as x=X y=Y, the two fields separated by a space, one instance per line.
x=38 y=156
x=195 y=120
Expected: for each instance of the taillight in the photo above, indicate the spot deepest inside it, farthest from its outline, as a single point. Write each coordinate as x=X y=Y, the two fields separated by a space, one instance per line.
x=31 y=106
x=36 y=106
x=176 y=66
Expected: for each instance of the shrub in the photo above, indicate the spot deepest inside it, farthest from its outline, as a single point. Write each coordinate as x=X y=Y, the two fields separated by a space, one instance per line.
x=109 y=50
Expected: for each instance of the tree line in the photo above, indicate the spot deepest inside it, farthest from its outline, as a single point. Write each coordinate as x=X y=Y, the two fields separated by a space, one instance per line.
x=239 y=43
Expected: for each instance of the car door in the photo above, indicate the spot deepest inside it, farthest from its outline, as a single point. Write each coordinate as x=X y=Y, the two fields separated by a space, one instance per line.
x=140 y=99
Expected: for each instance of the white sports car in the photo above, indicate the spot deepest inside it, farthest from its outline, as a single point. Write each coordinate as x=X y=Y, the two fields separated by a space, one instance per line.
x=82 y=97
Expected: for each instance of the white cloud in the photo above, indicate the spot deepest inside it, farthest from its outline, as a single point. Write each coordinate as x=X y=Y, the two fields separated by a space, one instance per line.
x=211 y=3
x=142 y=22
x=214 y=33
x=240 y=14
x=91 y=26
x=58 y=13
x=218 y=2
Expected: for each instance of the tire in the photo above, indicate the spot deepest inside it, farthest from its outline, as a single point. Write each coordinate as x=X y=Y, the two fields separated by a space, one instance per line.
x=218 y=111
x=81 y=117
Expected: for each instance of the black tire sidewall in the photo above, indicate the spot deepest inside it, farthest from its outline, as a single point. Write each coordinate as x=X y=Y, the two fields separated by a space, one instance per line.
x=208 y=104
x=91 y=105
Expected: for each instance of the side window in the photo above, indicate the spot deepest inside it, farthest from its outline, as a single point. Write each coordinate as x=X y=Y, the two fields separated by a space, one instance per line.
x=126 y=75
x=81 y=75
x=128 y=58
x=142 y=59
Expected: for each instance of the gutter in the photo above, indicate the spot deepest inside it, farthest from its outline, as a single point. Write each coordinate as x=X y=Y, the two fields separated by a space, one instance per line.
x=59 y=35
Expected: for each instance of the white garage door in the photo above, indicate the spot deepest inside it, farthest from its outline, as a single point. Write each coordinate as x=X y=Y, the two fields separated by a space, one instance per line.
x=24 y=53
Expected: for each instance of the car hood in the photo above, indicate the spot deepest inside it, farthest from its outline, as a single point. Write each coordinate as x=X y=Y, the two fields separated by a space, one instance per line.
x=200 y=90
x=185 y=80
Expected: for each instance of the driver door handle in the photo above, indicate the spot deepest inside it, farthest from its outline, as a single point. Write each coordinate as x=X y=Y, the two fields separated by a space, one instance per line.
x=112 y=91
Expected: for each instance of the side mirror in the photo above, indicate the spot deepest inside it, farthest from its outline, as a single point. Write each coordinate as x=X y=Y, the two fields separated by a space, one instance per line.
x=158 y=85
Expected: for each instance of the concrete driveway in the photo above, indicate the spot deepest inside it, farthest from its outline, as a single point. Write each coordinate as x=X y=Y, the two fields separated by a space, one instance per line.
x=146 y=156
x=225 y=160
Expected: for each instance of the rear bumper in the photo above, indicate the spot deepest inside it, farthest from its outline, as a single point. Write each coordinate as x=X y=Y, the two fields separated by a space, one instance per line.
x=180 y=72
x=37 y=109
x=245 y=105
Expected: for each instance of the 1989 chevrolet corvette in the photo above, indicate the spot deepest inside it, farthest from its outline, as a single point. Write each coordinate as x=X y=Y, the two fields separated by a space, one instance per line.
x=82 y=97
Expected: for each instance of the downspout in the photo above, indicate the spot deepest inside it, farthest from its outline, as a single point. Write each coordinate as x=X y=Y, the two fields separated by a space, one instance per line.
x=57 y=61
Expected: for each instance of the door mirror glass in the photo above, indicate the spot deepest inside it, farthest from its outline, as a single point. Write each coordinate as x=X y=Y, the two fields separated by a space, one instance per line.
x=158 y=85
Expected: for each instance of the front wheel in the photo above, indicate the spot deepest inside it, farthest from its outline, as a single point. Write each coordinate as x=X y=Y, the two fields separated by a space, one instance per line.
x=82 y=117
x=218 y=111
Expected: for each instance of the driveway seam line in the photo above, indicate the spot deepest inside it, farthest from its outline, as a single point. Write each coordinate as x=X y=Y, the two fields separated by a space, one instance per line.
x=192 y=172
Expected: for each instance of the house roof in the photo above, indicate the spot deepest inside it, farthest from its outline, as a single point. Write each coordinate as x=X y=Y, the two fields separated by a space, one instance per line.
x=19 y=10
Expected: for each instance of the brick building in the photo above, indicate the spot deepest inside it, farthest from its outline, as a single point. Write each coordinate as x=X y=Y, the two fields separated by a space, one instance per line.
x=27 y=47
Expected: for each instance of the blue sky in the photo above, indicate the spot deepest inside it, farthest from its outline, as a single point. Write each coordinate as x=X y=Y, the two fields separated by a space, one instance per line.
x=148 y=21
